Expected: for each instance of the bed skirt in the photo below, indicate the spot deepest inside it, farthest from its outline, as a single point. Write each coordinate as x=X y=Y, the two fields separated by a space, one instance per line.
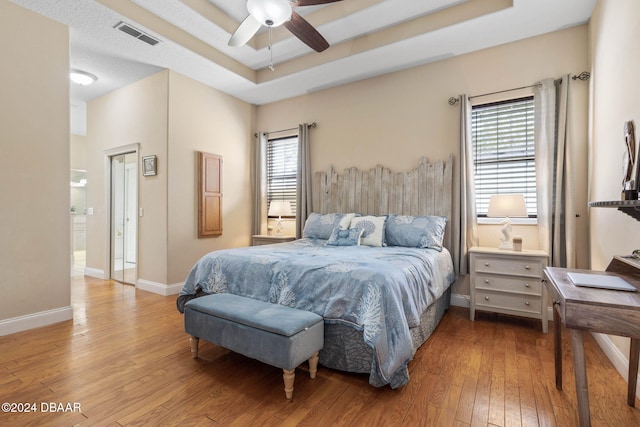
x=345 y=349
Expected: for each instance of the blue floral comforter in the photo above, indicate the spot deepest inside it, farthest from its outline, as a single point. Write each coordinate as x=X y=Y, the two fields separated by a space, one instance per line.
x=381 y=291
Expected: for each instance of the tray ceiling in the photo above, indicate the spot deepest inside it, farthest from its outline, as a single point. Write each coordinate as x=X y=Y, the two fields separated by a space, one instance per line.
x=367 y=37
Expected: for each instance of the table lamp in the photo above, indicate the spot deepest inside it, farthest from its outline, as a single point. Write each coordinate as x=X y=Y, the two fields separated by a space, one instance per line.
x=507 y=206
x=279 y=208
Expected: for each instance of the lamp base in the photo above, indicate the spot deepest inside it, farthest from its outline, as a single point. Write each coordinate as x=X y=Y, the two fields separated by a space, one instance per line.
x=506 y=246
x=279 y=227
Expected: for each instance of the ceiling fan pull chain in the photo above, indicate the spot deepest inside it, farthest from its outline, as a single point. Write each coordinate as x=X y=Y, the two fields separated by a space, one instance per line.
x=271 y=67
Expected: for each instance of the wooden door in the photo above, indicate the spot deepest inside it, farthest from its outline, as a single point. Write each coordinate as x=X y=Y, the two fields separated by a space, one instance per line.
x=209 y=195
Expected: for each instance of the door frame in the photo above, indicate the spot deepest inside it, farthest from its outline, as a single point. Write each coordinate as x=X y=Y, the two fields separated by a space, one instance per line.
x=108 y=154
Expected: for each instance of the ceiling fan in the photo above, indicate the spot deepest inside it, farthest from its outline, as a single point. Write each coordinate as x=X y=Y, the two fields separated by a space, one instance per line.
x=273 y=13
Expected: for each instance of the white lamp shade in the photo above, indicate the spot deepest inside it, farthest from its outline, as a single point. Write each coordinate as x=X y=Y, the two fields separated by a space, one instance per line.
x=270 y=12
x=280 y=208
x=507 y=205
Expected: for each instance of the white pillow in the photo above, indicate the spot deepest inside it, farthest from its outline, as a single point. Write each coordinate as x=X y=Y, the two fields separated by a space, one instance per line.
x=345 y=222
x=373 y=227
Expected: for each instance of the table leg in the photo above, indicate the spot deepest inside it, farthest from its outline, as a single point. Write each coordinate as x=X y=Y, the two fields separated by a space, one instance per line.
x=580 y=367
x=633 y=370
x=557 y=347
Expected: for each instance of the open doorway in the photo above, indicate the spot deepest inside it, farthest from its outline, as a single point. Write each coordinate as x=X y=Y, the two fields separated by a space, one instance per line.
x=78 y=211
x=123 y=217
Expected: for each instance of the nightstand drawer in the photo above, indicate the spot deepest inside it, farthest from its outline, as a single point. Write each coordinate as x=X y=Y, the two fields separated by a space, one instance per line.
x=527 y=304
x=518 y=267
x=521 y=285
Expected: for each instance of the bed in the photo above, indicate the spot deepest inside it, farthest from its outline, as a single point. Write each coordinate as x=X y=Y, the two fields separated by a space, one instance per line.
x=380 y=278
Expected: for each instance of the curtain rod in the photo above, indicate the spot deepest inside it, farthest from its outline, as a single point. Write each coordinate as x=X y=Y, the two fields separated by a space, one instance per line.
x=585 y=75
x=311 y=125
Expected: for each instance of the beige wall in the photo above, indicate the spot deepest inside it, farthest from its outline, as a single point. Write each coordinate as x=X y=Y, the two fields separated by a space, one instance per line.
x=135 y=114
x=614 y=46
x=204 y=119
x=78 y=152
x=34 y=164
x=396 y=118
x=171 y=116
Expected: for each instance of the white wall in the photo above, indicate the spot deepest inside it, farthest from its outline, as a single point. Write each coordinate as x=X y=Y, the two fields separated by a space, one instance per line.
x=34 y=170
x=614 y=47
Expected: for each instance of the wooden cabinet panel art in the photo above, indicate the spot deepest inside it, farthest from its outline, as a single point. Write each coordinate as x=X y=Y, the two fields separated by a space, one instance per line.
x=209 y=195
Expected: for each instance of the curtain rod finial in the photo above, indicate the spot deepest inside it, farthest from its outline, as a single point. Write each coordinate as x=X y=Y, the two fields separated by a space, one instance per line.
x=584 y=76
x=452 y=101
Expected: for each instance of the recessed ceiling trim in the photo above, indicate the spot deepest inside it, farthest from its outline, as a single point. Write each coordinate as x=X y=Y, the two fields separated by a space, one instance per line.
x=424 y=24
x=171 y=32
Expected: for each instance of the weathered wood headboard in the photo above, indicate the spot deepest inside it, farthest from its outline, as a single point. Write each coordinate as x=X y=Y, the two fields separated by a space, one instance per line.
x=425 y=190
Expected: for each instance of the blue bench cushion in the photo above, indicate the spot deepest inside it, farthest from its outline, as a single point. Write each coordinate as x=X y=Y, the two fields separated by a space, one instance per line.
x=274 y=318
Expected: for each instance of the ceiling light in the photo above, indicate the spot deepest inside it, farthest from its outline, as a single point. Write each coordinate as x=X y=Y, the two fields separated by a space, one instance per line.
x=82 y=77
x=270 y=12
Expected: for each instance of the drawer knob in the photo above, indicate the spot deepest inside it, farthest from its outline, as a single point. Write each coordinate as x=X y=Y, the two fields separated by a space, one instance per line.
x=526 y=303
x=526 y=285
x=486 y=264
x=526 y=267
x=486 y=280
x=486 y=298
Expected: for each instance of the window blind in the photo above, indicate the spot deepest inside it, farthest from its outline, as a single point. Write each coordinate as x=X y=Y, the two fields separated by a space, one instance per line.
x=504 y=152
x=282 y=168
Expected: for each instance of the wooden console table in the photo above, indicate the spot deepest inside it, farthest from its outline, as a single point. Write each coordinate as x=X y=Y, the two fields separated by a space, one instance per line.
x=595 y=310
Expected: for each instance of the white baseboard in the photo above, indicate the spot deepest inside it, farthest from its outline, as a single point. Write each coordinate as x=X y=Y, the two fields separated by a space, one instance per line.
x=460 y=300
x=94 y=272
x=35 y=320
x=159 y=288
x=619 y=360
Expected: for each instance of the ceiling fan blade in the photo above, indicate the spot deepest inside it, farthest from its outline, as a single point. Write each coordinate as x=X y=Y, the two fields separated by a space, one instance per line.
x=247 y=29
x=300 y=28
x=312 y=2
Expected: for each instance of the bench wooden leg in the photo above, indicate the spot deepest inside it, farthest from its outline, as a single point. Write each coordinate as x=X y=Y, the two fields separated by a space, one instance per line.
x=313 y=365
x=289 y=377
x=194 y=341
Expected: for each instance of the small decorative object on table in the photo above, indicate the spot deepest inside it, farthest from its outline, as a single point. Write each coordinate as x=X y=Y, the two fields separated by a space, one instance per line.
x=517 y=243
x=631 y=172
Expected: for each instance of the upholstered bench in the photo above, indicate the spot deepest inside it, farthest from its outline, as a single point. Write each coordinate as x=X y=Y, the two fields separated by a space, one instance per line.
x=280 y=336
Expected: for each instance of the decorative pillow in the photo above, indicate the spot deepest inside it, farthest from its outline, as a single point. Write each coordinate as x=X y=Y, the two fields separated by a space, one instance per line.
x=350 y=237
x=320 y=226
x=373 y=227
x=415 y=231
x=345 y=222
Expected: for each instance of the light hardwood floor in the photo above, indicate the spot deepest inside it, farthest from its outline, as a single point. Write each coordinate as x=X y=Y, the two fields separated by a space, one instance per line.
x=126 y=361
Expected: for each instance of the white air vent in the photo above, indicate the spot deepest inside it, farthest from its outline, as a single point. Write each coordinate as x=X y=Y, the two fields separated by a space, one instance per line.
x=134 y=32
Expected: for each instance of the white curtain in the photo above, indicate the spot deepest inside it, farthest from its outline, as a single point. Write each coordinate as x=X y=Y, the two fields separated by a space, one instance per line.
x=465 y=225
x=303 y=179
x=258 y=182
x=555 y=181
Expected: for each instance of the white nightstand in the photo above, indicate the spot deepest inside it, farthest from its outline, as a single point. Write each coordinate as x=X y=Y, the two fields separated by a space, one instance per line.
x=509 y=282
x=262 y=239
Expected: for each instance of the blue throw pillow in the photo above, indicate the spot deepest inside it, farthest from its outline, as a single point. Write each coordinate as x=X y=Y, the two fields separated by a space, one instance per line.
x=349 y=237
x=415 y=231
x=320 y=226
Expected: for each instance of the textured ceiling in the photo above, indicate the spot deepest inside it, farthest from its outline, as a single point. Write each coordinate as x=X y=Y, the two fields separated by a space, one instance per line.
x=367 y=37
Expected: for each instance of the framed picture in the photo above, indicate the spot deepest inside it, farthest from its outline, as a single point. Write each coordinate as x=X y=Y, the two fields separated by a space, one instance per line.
x=149 y=165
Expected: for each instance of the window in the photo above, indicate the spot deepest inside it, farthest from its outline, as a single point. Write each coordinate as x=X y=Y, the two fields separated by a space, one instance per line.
x=282 y=168
x=503 y=152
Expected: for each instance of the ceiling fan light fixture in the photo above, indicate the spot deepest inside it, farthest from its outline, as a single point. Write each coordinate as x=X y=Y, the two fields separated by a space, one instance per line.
x=271 y=13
